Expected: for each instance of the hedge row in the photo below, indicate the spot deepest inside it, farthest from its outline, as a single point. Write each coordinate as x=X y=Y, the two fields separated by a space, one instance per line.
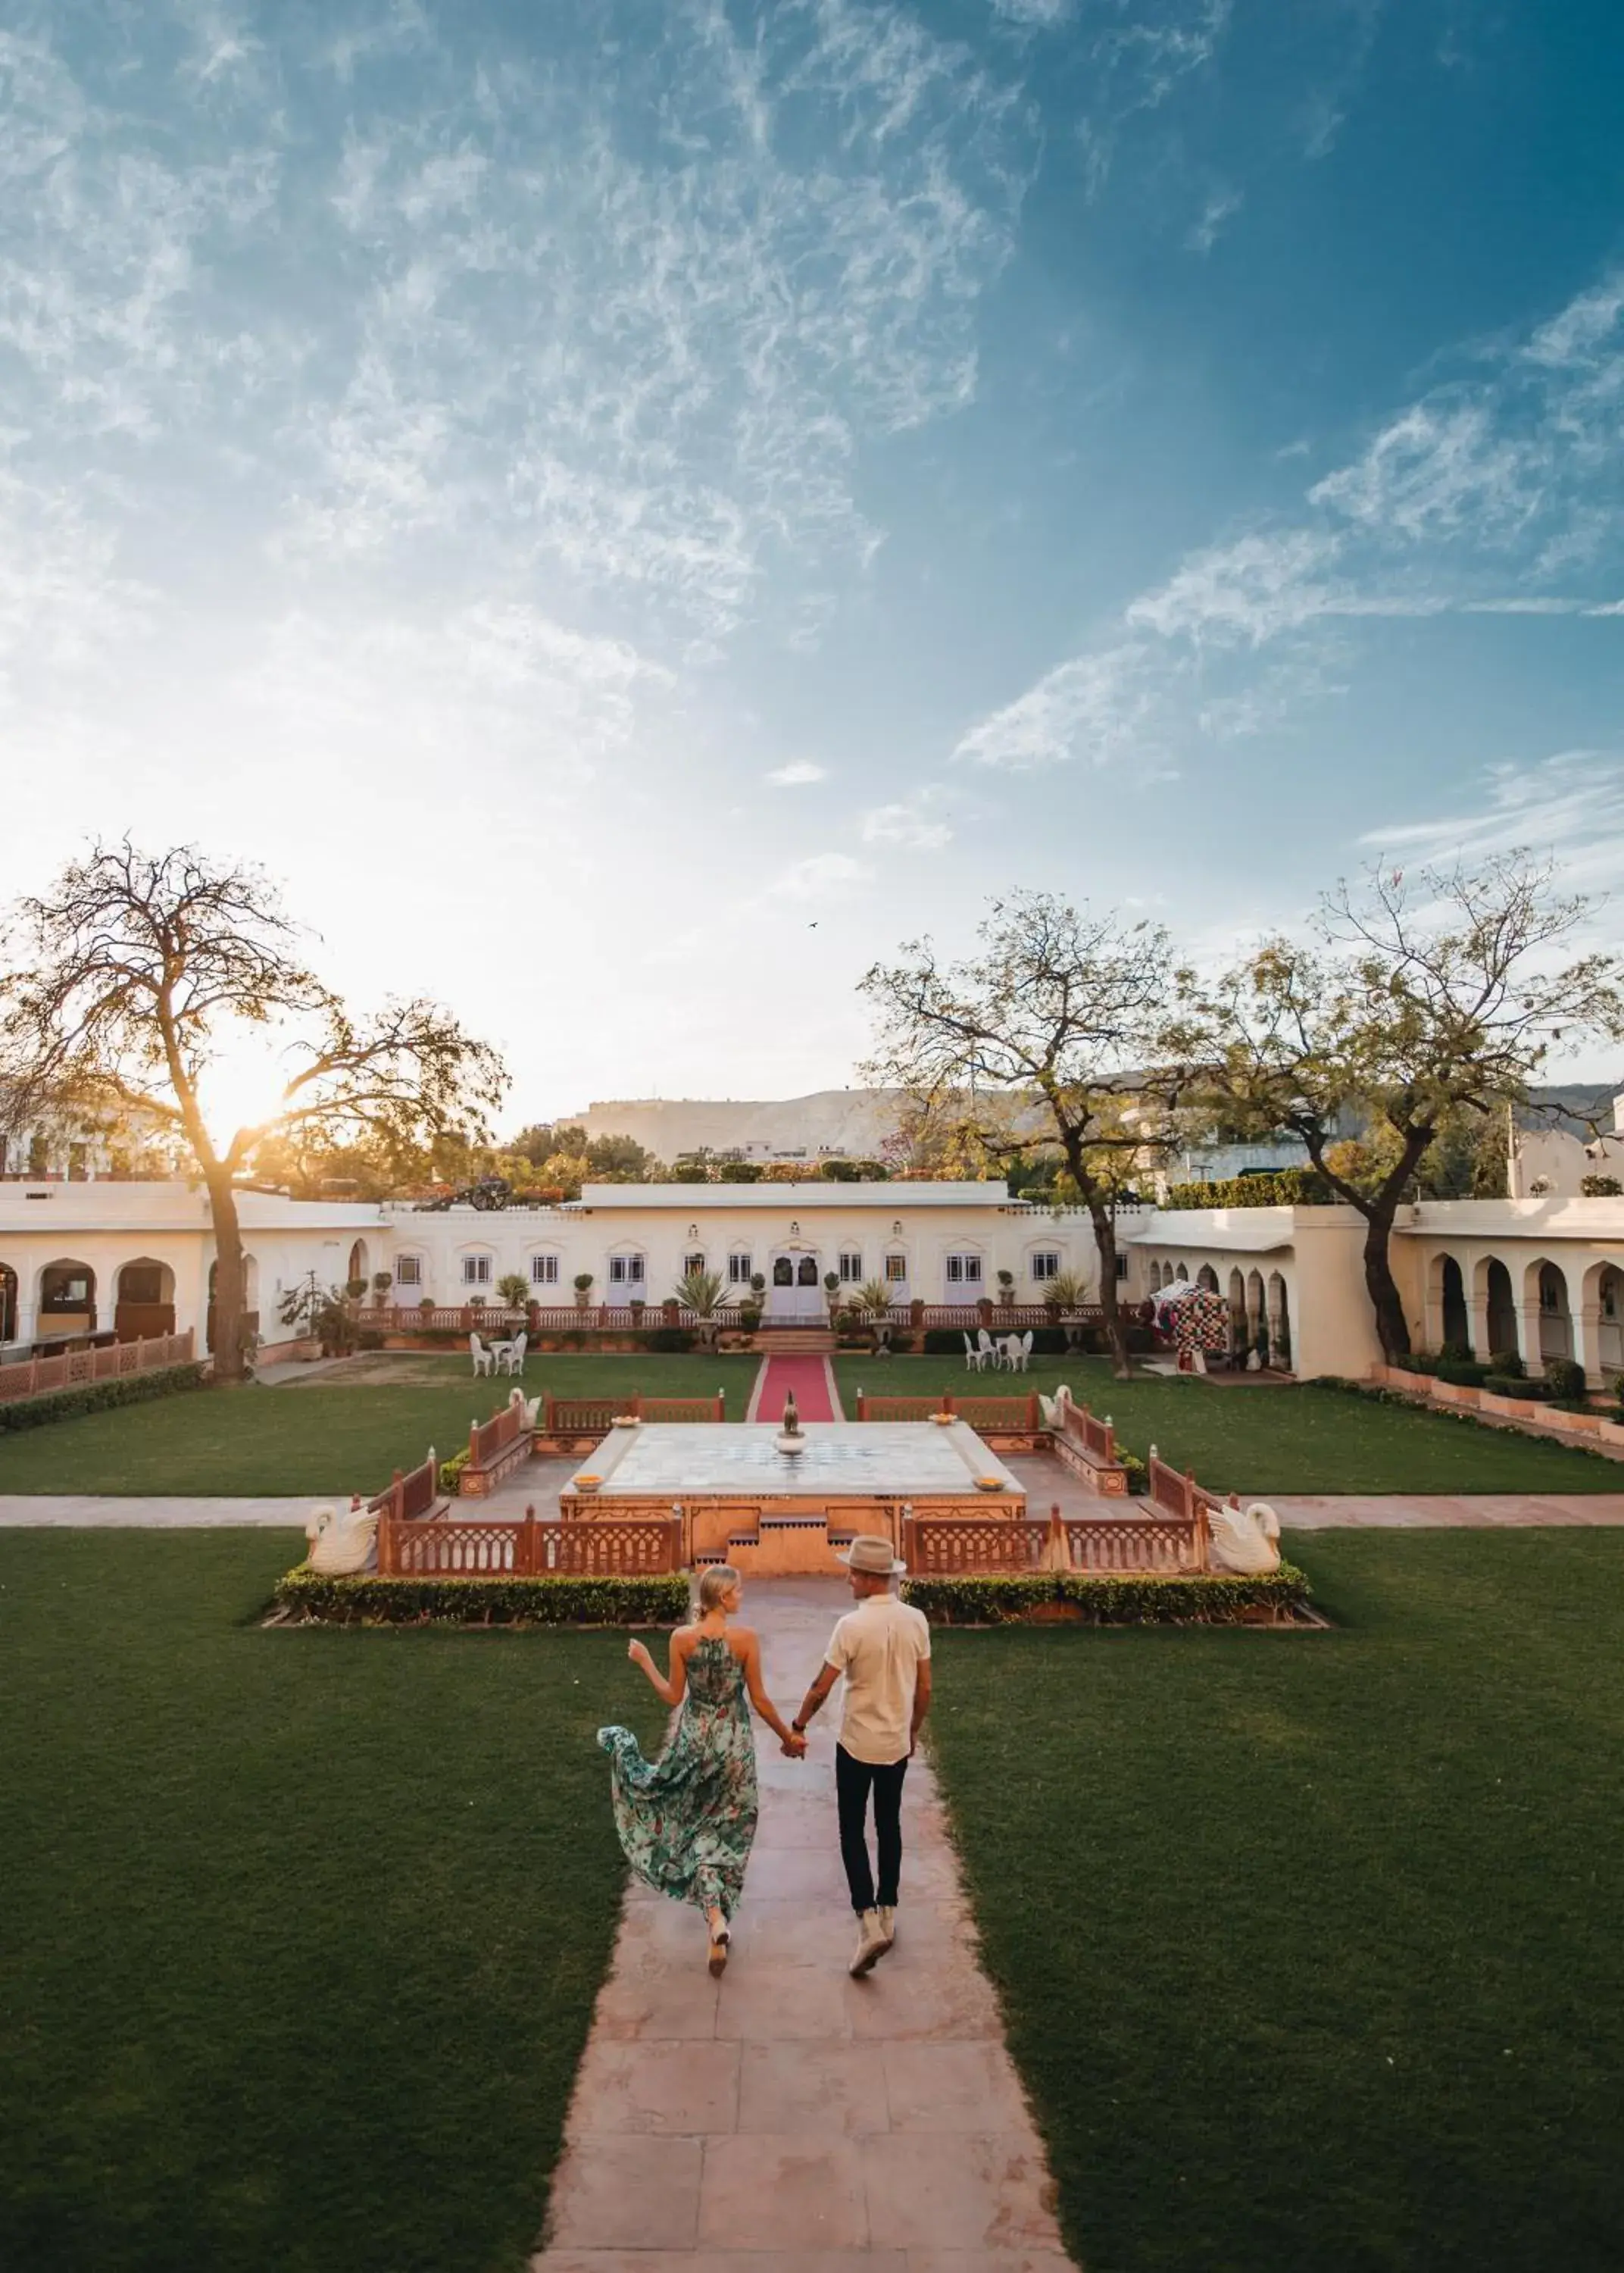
x=98 y=1397
x=1284 y=1187
x=1106 y=1600
x=312 y=1598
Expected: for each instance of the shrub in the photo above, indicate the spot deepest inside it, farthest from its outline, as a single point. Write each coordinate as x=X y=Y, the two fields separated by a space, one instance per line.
x=451 y=1473
x=1136 y=1470
x=666 y=1338
x=561 y=1601
x=1507 y=1364
x=1600 y=1187
x=1465 y=1372
x=1565 y=1381
x=749 y=1318
x=97 y=1396
x=1285 y=1188
x=1108 y=1601
x=1513 y=1385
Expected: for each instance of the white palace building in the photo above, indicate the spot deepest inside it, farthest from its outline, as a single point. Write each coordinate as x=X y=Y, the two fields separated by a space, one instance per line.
x=1543 y=1276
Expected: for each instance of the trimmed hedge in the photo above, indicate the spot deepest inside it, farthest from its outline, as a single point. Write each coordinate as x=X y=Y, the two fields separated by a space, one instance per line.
x=99 y=1396
x=1285 y=1188
x=1019 y=1597
x=369 y=1600
x=450 y=1471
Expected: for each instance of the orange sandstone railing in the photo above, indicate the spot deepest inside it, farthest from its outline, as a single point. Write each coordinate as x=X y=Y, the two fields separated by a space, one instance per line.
x=36 y=1376
x=990 y=1413
x=580 y=1416
x=937 y=1547
x=609 y=1548
x=409 y=1499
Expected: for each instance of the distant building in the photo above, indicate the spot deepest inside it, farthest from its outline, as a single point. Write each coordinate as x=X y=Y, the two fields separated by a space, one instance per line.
x=828 y=1124
x=1564 y=1135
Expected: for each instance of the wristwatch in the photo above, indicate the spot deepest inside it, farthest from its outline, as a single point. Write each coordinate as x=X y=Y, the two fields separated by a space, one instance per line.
x=798 y=1728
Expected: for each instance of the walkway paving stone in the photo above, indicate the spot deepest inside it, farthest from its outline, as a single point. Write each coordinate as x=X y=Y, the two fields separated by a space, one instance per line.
x=98 y=1511
x=788 y=2118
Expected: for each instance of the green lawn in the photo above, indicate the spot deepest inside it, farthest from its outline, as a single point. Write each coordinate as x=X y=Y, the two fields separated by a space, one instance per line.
x=321 y=1436
x=302 y=1930
x=1311 y=1944
x=1261 y=1439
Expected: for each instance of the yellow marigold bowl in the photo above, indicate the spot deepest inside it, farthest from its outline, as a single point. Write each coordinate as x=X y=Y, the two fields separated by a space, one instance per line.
x=989 y=1484
x=588 y=1483
x=944 y=1419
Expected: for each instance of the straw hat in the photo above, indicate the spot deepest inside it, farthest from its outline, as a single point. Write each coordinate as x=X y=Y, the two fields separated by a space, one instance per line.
x=873 y=1556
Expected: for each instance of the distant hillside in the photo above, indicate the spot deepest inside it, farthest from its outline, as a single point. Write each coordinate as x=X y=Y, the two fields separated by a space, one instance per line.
x=829 y=1123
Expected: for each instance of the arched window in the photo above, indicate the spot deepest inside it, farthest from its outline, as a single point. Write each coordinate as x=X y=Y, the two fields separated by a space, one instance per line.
x=67 y=1299
x=9 y=1304
x=806 y=1271
x=544 y=1267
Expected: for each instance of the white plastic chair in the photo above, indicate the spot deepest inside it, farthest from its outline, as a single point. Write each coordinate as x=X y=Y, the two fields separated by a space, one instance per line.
x=1018 y=1351
x=974 y=1359
x=510 y=1355
x=484 y=1360
x=987 y=1348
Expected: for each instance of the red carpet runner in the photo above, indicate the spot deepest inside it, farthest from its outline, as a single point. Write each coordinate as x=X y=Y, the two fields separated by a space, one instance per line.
x=809 y=1379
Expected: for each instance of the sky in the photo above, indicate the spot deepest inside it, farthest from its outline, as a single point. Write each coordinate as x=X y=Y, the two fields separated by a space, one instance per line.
x=630 y=509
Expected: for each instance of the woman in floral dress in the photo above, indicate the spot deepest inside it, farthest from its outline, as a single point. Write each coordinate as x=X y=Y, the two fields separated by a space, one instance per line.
x=686 y=1818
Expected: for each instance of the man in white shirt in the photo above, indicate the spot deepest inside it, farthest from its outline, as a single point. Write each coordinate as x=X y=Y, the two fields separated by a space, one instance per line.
x=883 y=1648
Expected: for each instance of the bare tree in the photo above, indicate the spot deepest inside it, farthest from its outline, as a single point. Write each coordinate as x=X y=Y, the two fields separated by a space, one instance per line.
x=1421 y=997
x=1039 y=1040
x=129 y=980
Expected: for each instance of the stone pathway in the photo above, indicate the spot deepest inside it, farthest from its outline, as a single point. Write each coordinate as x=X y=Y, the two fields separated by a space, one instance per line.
x=101 y=1510
x=1464 y=1510
x=788 y=2118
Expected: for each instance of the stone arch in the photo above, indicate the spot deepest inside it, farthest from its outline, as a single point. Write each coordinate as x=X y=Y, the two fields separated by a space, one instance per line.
x=1279 y=1320
x=1448 y=1317
x=66 y=1304
x=1156 y=1278
x=1603 y=1298
x=10 y=1305
x=1492 y=1289
x=1256 y=1312
x=1207 y=1277
x=1238 y=1313
x=1545 y=1289
x=143 y=1299
x=360 y=1265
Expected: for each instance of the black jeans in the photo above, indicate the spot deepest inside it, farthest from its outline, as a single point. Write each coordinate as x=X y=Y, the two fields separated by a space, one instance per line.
x=854 y=1779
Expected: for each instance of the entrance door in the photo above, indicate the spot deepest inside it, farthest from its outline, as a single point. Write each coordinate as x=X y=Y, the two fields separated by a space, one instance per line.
x=795 y=1292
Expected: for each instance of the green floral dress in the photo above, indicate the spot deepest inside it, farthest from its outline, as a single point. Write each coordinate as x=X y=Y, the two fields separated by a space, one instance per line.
x=687 y=1818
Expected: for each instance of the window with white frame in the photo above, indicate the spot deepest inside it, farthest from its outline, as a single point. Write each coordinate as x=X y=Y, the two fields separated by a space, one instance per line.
x=850 y=1266
x=896 y=1270
x=693 y=1264
x=543 y=1270
x=964 y=1270
x=740 y=1269
x=476 y=1271
x=626 y=1271
x=409 y=1271
x=1046 y=1264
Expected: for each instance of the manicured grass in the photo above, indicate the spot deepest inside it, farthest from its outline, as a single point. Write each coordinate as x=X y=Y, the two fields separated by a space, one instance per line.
x=321 y=1437
x=1250 y=1438
x=1310 y=1944
x=302 y=1930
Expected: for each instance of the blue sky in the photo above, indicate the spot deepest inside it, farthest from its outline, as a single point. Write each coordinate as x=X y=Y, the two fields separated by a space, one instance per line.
x=631 y=510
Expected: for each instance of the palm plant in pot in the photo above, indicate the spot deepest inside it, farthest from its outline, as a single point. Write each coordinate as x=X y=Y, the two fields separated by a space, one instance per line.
x=701 y=1292
x=1063 y=1294
x=874 y=1302
x=1006 y=1290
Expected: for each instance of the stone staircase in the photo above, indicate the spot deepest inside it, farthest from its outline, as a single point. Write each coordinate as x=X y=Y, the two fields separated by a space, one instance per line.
x=795 y=1341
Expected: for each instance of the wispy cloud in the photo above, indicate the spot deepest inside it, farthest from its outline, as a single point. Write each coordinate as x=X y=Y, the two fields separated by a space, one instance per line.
x=1221 y=206
x=800 y=773
x=1570 y=803
x=1473 y=500
x=915 y=823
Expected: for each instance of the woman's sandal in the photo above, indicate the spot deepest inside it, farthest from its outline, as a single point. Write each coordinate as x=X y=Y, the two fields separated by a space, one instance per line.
x=719 y=1950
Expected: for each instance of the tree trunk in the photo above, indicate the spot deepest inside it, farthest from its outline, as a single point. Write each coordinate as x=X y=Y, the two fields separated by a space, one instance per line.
x=1115 y=1324
x=229 y=1277
x=1391 y=1324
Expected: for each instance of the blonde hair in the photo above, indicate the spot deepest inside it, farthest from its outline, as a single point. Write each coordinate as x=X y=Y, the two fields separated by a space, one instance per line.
x=720 y=1580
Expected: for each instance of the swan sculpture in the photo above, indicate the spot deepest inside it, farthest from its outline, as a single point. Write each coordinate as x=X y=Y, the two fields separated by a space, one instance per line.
x=1245 y=1541
x=532 y=1407
x=341 y=1542
x=1054 y=1407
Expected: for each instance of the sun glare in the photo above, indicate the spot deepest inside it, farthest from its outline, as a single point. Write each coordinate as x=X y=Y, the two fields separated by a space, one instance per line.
x=244 y=1086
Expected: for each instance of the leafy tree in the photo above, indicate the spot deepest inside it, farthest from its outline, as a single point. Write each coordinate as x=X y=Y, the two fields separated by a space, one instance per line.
x=133 y=978
x=1038 y=1037
x=1419 y=1000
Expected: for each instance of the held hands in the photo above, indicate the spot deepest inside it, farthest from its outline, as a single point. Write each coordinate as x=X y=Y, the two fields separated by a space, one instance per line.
x=794 y=1746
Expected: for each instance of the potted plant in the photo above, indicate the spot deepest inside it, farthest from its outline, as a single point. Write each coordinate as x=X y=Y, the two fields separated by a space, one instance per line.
x=425 y=1305
x=514 y=1291
x=1063 y=1294
x=1006 y=1290
x=700 y=1292
x=382 y=1281
x=874 y=1300
x=831 y=1287
x=355 y=1289
x=583 y=1288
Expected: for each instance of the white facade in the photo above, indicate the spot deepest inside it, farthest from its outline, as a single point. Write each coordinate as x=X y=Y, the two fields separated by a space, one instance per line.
x=67 y=1251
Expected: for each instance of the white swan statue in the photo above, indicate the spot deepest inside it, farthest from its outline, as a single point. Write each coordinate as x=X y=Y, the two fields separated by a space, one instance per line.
x=341 y=1542
x=1054 y=1407
x=1245 y=1541
x=532 y=1407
